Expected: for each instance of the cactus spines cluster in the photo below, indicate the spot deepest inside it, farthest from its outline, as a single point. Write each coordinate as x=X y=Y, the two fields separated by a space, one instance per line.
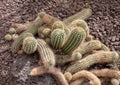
x=16 y=46
x=77 y=36
x=86 y=74
x=89 y=46
x=46 y=32
x=84 y=14
x=58 y=75
x=100 y=57
x=57 y=38
x=68 y=76
x=46 y=54
x=29 y=45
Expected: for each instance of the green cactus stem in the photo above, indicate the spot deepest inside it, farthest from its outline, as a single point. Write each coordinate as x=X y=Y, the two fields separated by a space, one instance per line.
x=29 y=45
x=80 y=23
x=88 y=47
x=84 y=14
x=100 y=57
x=46 y=54
x=57 y=74
x=77 y=36
x=16 y=46
x=46 y=32
x=31 y=29
x=57 y=38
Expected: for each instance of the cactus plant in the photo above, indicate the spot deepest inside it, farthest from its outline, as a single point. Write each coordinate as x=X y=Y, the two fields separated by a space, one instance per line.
x=46 y=32
x=104 y=47
x=59 y=76
x=16 y=46
x=86 y=74
x=89 y=37
x=68 y=76
x=8 y=37
x=89 y=46
x=80 y=23
x=107 y=73
x=100 y=57
x=77 y=36
x=12 y=31
x=46 y=54
x=29 y=45
x=57 y=38
x=84 y=14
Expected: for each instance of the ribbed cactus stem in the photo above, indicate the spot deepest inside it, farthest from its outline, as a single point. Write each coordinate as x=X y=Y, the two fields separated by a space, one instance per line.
x=88 y=47
x=100 y=57
x=46 y=32
x=57 y=74
x=80 y=23
x=84 y=14
x=57 y=38
x=46 y=54
x=29 y=45
x=16 y=46
x=77 y=36
x=48 y=19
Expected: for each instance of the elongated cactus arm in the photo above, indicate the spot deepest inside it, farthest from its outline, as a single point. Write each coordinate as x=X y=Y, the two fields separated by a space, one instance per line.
x=84 y=14
x=89 y=46
x=77 y=82
x=76 y=37
x=104 y=47
x=86 y=74
x=52 y=70
x=107 y=73
x=46 y=54
x=100 y=57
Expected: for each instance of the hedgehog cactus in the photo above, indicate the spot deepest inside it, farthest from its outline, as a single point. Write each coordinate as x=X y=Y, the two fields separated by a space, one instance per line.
x=89 y=47
x=46 y=54
x=57 y=38
x=100 y=57
x=16 y=46
x=77 y=36
x=29 y=45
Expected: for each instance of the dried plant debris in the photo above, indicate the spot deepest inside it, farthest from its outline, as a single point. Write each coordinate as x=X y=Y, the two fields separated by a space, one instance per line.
x=64 y=42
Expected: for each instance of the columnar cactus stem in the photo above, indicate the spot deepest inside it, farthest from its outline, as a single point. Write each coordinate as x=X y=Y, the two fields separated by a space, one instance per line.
x=57 y=38
x=52 y=70
x=16 y=46
x=80 y=23
x=29 y=45
x=107 y=73
x=89 y=46
x=77 y=36
x=46 y=54
x=100 y=57
x=48 y=19
x=62 y=59
x=84 y=14
x=90 y=76
x=104 y=47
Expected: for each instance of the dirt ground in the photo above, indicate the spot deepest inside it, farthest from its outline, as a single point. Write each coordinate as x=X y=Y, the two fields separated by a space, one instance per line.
x=104 y=25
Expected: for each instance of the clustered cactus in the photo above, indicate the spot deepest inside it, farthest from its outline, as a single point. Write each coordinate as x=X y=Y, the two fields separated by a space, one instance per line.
x=65 y=42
